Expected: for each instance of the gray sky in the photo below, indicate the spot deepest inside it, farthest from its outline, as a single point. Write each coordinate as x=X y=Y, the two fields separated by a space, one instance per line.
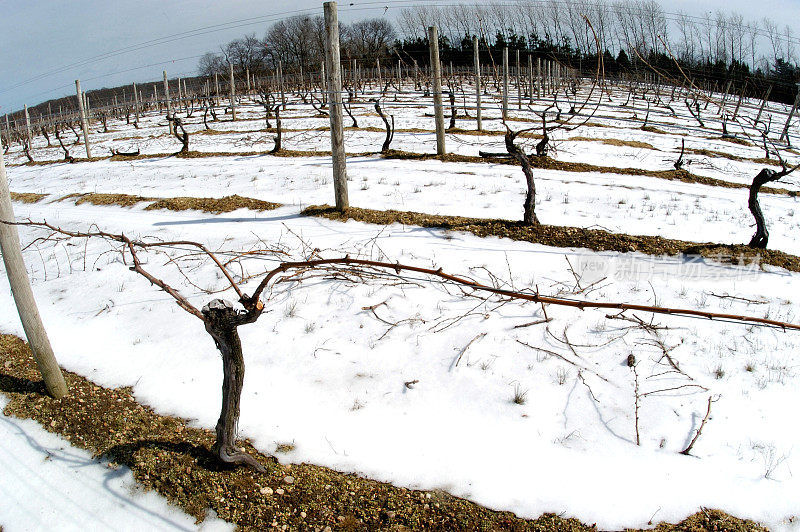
x=47 y=44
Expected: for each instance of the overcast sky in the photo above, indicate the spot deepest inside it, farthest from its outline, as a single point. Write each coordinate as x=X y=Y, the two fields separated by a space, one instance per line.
x=47 y=44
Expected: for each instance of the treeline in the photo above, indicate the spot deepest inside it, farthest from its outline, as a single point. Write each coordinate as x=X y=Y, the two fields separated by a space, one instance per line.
x=298 y=43
x=632 y=36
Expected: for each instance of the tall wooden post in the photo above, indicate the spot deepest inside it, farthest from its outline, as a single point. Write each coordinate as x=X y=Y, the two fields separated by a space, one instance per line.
x=760 y=109
x=519 y=83
x=334 y=69
x=539 y=78
x=505 y=82
x=785 y=134
x=530 y=79
x=280 y=74
x=247 y=77
x=168 y=103
x=323 y=84
x=23 y=294
x=8 y=131
x=380 y=77
x=135 y=105
x=84 y=123
x=477 y=60
x=28 y=128
x=436 y=72
x=233 y=94
x=216 y=88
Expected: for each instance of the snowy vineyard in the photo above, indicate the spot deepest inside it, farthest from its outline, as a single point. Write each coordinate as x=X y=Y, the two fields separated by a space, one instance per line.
x=406 y=377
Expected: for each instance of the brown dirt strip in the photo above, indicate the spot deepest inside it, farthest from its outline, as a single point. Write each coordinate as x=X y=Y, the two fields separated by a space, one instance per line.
x=180 y=203
x=550 y=235
x=565 y=237
x=170 y=457
x=543 y=163
x=547 y=163
x=27 y=197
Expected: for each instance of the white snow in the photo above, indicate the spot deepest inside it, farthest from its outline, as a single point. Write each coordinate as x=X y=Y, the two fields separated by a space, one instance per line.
x=328 y=376
x=46 y=484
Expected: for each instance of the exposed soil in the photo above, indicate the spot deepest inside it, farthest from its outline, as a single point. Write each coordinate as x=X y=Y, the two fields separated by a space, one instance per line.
x=548 y=163
x=544 y=163
x=174 y=459
x=27 y=197
x=180 y=203
x=212 y=205
x=615 y=142
x=550 y=235
x=565 y=237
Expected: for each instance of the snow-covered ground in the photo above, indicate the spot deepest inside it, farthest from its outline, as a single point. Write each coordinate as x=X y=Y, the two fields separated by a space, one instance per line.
x=48 y=485
x=328 y=376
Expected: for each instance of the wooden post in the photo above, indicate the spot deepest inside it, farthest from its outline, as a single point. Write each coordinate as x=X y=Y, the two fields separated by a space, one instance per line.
x=477 y=59
x=135 y=104
x=760 y=109
x=323 y=84
x=505 y=82
x=168 y=103
x=247 y=77
x=539 y=79
x=23 y=294
x=280 y=75
x=28 y=128
x=8 y=131
x=233 y=94
x=380 y=77
x=84 y=123
x=785 y=134
x=334 y=69
x=180 y=96
x=436 y=71
x=519 y=84
x=530 y=79
x=739 y=102
x=216 y=88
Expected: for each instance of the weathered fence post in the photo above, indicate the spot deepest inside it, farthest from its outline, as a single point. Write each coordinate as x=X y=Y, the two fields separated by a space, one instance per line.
x=233 y=94
x=785 y=134
x=135 y=105
x=334 y=69
x=530 y=79
x=519 y=83
x=28 y=128
x=168 y=103
x=280 y=76
x=760 y=109
x=505 y=82
x=477 y=82
x=84 y=123
x=436 y=72
x=23 y=294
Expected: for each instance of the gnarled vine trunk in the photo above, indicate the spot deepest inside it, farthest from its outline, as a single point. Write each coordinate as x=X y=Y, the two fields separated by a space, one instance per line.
x=761 y=237
x=222 y=321
x=529 y=214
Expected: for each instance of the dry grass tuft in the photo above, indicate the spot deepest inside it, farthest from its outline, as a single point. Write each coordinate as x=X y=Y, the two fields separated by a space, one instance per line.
x=565 y=237
x=27 y=197
x=616 y=142
x=122 y=200
x=212 y=205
